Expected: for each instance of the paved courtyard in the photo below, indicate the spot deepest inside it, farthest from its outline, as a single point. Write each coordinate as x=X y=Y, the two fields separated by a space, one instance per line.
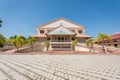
x=60 y=67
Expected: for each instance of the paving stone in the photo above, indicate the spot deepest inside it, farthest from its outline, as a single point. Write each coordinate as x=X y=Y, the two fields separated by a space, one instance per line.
x=60 y=67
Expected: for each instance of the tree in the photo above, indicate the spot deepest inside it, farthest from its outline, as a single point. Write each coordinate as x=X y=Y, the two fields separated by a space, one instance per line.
x=31 y=41
x=101 y=38
x=17 y=41
x=47 y=43
x=2 y=40
x=13 y=37
x=22 y=40
x=1 y=23
x=89 y=43
x=14 y=42
x=74 y=42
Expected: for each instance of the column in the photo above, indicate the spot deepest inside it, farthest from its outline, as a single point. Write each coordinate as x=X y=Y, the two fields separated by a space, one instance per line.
x=70 y=38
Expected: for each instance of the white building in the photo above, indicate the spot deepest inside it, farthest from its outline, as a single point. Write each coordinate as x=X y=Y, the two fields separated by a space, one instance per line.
x=61 y=32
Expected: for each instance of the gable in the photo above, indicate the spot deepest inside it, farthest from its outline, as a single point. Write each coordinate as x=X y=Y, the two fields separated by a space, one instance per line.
x=66 y=23
x=61 y=31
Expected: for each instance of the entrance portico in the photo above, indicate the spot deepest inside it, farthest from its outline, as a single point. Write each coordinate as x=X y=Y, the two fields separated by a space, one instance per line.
x=61 y=39
x=61 y=42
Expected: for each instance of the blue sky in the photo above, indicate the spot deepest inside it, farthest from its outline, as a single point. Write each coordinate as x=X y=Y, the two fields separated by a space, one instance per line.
x=22 y=17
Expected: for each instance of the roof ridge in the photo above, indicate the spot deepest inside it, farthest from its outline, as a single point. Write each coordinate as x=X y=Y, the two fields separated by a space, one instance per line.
x=59 y=19
x=115 y=34
x=48 y=22
x=72 y=22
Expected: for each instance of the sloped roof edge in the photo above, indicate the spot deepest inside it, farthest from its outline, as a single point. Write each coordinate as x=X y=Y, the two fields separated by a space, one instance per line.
x=41 y=26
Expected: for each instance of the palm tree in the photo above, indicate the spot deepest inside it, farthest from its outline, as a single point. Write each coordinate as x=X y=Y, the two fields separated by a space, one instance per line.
x=47 y=43
x=101 y=38
x=1 y=23
x=13 y=37
x=2 y=40
x=89 y=43
x=22 y=40
x=31 y=41
x=17 y=41
x=14 y=42
x=74 y=42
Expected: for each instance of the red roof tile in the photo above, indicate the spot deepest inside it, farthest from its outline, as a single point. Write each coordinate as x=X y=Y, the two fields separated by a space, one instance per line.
x=115 y=36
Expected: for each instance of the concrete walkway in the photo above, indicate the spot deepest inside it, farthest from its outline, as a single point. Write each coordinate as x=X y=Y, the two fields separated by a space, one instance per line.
x=60 y=67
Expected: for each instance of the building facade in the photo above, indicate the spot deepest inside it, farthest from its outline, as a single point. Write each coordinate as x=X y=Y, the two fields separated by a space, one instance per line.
x=60 y=32
x=115 y=40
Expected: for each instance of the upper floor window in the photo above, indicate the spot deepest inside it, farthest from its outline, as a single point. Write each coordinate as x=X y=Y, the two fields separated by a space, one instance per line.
x=80 y=31
x=73 y=30
x=41 y=31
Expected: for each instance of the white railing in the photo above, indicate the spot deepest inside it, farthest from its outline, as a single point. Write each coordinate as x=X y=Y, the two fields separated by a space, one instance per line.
x=60 y=42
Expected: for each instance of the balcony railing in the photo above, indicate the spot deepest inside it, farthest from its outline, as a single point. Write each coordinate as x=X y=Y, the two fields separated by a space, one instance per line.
x=60 y=42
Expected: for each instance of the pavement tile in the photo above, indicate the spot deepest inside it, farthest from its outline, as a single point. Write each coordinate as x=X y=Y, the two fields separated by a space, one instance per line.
x=60 y=67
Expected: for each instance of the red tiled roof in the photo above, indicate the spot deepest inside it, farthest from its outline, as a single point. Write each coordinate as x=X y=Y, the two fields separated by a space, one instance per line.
x=115 y=36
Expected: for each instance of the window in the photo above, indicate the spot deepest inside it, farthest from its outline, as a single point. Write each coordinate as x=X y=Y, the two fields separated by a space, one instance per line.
x=48 y=38
x=62 y=39
x=73 y=30
x=66 y=46
x=41 y=31
x=56 y=46
x=80 y=31
x=58 y=38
